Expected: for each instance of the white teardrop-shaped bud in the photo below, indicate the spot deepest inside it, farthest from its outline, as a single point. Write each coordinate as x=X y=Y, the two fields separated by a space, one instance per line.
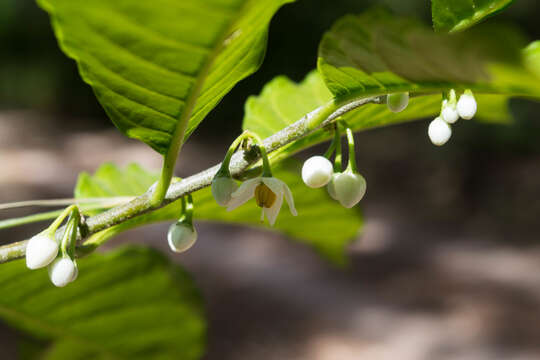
x=439 y=131
x=397 y=102
x=181 y=236
x=76 y=273
x=41 y=250
x=317 y=171
x=62 y=271
x=349 y=188
x=466 y=106
x=331 y=187
x=449 y=112
x=222 y=188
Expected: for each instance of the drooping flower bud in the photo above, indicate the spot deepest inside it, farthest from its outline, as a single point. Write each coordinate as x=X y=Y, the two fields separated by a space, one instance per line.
x=439 y=131
x=348 y=188
x=466 y=106
x=62 y=271
x=222 y=188
x=317 y=171
x=331 y=188
x=41 y=250
x=449 y=112
x=181 y=236
x=397 y=102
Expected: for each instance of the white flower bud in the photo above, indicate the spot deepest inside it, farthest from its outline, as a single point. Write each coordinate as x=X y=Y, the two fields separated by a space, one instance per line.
x=331 y=186
x=466 y=106
x=317 y=171
x=348 y=188
x=181 y=236
x=62 y=271
x=41 y=250
x=439 y=131
x=222 y=188
x=449 y=112
x=397 y=102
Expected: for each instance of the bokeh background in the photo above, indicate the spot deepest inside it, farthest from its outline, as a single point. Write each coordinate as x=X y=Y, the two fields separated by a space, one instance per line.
x=447 y=267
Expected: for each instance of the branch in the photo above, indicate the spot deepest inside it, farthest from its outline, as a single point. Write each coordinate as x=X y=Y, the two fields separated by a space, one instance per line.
x=240 y=162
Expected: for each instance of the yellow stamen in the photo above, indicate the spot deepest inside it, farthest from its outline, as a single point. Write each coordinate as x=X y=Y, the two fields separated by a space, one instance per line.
x=264 y=196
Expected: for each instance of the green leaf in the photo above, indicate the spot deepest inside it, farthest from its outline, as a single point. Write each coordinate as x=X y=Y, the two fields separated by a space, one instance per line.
x=457 y=15
x=321 y=221
x=128 y=304
x=157 y=66
x=377 y=53
x=283 y=102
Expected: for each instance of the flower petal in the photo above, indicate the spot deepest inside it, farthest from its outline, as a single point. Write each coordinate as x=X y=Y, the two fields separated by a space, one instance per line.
x=273 y=211
x=274 y=184
x=245 y=192
x=290 y=201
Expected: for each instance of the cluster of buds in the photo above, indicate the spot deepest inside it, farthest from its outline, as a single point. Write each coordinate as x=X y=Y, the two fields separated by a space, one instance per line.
x=347 y=187
x=44 y=250
x=440 y=130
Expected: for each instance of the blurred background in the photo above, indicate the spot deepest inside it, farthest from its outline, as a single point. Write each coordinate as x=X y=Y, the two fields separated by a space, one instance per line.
x=447 y=267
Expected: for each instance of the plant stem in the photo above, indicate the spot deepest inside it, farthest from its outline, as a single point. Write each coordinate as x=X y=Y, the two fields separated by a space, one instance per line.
x=240 y=162
x=352 y=154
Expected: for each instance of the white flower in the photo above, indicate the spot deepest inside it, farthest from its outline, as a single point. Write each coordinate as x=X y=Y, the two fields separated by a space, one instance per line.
x=222 y=188
x=41 y=250
x=439 y=131
x=397 y=102
x=268 y=192
x=347 y=187
x=449 y=112
x=181 y=236
x=466 y=106
x=317 y=171
x=63 y=271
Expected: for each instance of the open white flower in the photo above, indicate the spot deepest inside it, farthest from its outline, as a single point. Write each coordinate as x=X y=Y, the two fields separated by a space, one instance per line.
x=268 y=192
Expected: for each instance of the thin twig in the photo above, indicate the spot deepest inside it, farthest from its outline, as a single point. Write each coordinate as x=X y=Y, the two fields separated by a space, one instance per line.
x=240 y=161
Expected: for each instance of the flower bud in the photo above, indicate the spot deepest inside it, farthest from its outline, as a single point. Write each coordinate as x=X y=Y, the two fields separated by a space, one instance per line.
x=181 y=236
x=449 y=112
x=62 y=271
x=222 y=188
x=348 y=188
x=331 y=187
x=41 y=250
x=317 y=171
x=397 y=102
x=466 y=106
x=439 y=131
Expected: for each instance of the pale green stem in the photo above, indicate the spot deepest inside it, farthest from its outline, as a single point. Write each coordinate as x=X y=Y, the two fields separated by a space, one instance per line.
x=352 y=154
x=338 y=167
x=68 y=201
x=240 y=161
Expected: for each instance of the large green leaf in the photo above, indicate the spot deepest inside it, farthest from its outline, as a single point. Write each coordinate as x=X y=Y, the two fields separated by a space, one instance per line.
x=378 y=53
x=321 y=222
x=282 y=102
x=128 y=304
x=154 y=64
x=456 y=15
